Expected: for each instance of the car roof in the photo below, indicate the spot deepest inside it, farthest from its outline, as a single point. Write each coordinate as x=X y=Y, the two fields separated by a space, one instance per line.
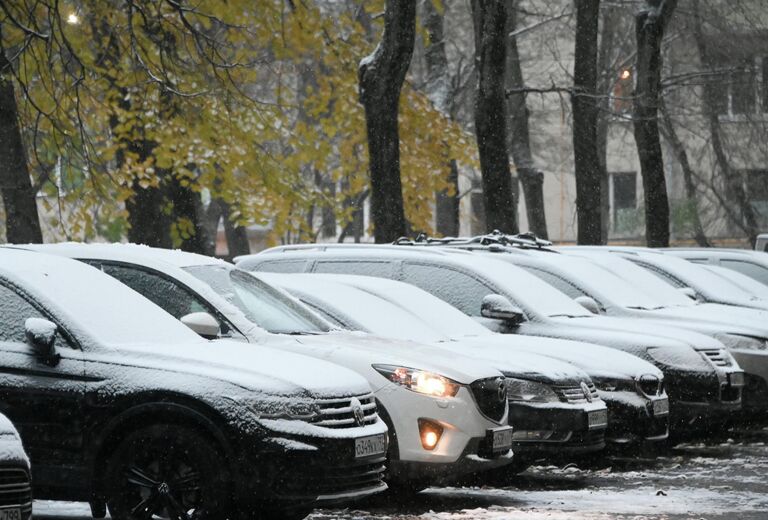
x=135 y=253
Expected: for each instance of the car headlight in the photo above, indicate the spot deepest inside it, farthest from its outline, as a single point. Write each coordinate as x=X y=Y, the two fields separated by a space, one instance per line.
x=526 y=391
x=742 y=342
x=419 y=381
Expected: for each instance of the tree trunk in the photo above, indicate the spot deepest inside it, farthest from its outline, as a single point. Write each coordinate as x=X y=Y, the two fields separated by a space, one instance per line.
x=381 y=77
x=585 y=117
x=519 y=140
x=606 y=79
x=22 y=222
x=650 y=24
x=490 y=115
x=682 y=158
x=746 y=218
x=439 y=92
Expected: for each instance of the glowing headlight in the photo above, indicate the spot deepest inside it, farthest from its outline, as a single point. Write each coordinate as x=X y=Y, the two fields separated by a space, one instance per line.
x=419 y=380
x=530 y=392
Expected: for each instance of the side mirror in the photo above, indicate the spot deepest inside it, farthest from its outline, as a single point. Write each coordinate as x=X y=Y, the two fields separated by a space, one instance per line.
x=588 y=303
x=202 y=323
x=41 y=336
x=498 y=307
x=690 y=293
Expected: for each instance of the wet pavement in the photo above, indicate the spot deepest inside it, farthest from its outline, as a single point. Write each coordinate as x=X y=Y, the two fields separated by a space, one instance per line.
x=726 y=480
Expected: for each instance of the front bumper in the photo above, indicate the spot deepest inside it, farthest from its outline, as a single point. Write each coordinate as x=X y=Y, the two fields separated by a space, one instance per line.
x=561 y=428
x=631 y=418
x=16 y=489
x=698 y=401
x=293 y=471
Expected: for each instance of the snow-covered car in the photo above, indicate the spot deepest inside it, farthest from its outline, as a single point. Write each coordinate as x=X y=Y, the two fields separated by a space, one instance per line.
x=122 y=406
x=447 y=413
x=508 y=299
x=750 y=263
x=554 y=407
x=743 y=331
x=742 y=281
x=15 y=474
x=687 y=276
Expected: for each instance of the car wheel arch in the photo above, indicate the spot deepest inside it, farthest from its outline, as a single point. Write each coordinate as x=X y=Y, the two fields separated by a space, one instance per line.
x=156 y=409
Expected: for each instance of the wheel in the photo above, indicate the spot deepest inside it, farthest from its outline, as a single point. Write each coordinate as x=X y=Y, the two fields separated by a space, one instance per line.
x=166 y=472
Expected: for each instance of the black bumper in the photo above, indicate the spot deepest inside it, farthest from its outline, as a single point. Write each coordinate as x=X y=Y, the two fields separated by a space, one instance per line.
x=631 y=419
x=568 y=425
x=294 y=477
x=699 y=402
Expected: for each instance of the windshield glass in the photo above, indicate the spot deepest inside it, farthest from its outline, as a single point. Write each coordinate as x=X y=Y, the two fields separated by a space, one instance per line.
x=743 y=282
x=712 y=286
x=642 y=280
x=261 y=304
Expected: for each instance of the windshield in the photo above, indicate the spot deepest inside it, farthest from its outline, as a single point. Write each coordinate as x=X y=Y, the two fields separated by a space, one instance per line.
x=261 y=304
x=649 y=284
x=712 y=286
x=742 y=281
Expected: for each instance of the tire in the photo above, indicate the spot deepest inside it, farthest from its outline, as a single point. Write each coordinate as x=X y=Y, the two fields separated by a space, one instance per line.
x=167 y=471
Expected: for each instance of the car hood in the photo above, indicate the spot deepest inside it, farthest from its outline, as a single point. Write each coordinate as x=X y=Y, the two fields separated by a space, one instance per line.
x=257 y=368
x=713 y=318
x=517 y=362
x=596 y=361
x=659 y=335
x=359 y=350
x=11 y=449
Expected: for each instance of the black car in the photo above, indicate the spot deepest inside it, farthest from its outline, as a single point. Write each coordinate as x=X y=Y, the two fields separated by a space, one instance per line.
x=121 y=405
x=15 y=481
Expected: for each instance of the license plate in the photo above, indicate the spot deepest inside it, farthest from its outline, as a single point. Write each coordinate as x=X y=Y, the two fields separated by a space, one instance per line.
x=10 y=514
x=367 y=446
x=736 y=378
x=597 y=419
x=501 y=439
x=661 y=407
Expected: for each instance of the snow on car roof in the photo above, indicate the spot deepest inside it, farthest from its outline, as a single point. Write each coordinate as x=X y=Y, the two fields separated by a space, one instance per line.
x=90 y=303
x=528 y=291
x=145 y=255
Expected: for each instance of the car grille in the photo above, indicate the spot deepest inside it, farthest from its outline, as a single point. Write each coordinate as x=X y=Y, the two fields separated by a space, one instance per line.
x=718 y=357
x=491 y=397
x=16 y=490
x=575 y=394
x=650 y=385
x=340 y=412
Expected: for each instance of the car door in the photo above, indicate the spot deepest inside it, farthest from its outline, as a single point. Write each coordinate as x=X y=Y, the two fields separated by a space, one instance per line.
x=45 y=400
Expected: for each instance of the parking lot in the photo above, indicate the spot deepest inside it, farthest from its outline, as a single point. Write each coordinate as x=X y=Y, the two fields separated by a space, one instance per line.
x=728 y=480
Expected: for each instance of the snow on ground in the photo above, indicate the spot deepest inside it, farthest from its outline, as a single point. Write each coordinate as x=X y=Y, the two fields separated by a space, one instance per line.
x=694 y=481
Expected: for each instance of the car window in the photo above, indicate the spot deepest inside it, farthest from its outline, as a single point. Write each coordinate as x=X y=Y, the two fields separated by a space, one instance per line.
x=459 y=289
x=281 y=266
x=555 y=281
x=14 y=312
x=363 y=268
x=324 y=313
x=755 y=271
x=172 y=297
x=660 y=273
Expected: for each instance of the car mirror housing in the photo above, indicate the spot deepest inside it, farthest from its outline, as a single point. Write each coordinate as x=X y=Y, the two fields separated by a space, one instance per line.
x=41 y=336
x=498 y=307
x=588 y=303
x=203 y=324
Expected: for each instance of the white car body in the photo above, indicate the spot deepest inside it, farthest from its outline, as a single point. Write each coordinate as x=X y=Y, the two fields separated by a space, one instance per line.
x=749 y=263
x=465 y=425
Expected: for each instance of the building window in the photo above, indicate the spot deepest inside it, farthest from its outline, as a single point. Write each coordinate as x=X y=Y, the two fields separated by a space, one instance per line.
x=757 y=191
x=741 y=86
x=625 y=213
x=621 y=97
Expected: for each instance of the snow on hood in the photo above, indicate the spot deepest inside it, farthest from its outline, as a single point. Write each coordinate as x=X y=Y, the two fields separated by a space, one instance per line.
x=595 y=360
x=106 y=316
x=367 y=349
x=715 y=317
x=253 y=367
x=11 y=449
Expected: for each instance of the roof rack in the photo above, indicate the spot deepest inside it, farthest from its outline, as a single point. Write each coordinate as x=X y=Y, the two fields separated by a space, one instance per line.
x=495 y=238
